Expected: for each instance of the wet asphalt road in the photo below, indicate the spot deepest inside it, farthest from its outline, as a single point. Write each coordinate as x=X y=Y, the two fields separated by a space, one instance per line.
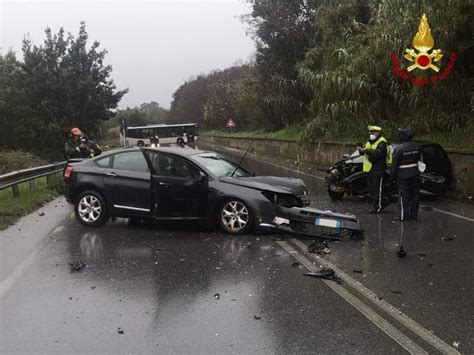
x=182 y=289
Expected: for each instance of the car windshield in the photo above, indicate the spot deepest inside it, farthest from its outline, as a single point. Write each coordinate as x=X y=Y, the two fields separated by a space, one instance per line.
x=220 y=166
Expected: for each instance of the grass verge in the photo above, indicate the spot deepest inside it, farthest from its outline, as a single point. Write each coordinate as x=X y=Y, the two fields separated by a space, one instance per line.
x=12 y=208
x=290 y=134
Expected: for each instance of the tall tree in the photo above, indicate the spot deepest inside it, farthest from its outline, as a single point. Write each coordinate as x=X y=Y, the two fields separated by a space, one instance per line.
x=62 y=84
x=282 y=30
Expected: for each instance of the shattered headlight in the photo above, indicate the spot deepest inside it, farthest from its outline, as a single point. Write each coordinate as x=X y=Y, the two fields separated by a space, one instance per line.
x=335 y=172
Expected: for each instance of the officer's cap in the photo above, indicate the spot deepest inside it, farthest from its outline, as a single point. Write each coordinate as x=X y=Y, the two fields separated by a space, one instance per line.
x=375 y=129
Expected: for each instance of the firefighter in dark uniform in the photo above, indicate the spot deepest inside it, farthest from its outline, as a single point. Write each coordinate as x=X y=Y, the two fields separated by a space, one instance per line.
x=376 y=159
x=405 y=170
x=79 y=146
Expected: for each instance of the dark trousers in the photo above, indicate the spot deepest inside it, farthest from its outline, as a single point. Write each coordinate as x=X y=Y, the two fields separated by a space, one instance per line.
x=409 y=192
x=375 y=184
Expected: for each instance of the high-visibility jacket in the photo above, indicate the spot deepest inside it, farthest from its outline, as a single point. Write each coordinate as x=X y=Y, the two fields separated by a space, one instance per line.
x=367 y=165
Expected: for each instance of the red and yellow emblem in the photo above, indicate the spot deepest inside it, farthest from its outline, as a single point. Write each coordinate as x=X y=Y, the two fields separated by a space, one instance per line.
x=423 y=42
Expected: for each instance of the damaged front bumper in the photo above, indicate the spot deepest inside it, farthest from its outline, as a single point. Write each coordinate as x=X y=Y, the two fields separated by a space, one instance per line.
x=316 y=223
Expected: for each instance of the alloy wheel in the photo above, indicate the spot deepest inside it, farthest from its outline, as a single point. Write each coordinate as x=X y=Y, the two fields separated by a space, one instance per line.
x=89 y=208
x=235 y=216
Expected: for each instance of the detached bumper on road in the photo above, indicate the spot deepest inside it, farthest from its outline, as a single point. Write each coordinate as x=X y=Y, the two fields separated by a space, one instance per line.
x=315 y=222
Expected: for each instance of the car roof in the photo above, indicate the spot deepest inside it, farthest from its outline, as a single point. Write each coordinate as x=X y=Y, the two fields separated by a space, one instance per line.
x=178 y=150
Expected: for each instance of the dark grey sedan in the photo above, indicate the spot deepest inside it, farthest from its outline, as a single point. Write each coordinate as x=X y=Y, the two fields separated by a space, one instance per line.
x=176 y=184
x=188 y=184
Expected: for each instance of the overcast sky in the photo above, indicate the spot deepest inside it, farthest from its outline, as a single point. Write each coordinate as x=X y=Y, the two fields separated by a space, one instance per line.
x=153 y=46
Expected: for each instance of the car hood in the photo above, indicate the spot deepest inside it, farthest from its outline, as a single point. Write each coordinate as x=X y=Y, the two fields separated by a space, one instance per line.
x=276 y=184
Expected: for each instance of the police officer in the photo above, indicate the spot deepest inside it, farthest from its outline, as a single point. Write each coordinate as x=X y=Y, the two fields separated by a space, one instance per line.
x=376 y=158
x=405 y=170
x=78 y=146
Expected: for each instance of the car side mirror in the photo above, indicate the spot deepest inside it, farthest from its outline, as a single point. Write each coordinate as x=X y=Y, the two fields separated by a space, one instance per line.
x=202 y=176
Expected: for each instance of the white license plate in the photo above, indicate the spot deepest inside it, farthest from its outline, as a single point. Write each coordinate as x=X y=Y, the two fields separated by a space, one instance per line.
x=327 y=223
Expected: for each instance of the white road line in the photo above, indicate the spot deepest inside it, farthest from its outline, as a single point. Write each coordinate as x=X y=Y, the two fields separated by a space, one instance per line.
x=320 y=178
x=11 y=279
x=450 y=213
x=422 y=332
x=369 y=313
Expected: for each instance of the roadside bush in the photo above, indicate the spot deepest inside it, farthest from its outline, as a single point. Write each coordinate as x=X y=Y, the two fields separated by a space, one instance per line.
x=16 y=160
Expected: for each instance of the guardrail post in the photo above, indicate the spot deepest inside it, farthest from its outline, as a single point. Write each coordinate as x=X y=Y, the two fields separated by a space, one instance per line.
x=32 y=184
x=48 y=180
x=16 y=191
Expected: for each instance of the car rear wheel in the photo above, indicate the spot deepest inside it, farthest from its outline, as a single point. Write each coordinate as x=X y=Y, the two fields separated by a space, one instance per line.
x=141 y=143
x=180 y=141
x=235 y=217
x=90 y=209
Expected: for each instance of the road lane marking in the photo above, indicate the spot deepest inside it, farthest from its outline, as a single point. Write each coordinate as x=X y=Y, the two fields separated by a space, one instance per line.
x=11 y=279
x=321 y=178
x=450 y=213
x=409 y=323
x=369 y=313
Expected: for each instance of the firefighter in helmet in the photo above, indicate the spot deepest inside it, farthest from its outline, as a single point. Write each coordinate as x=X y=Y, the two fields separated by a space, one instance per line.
x=79 y=146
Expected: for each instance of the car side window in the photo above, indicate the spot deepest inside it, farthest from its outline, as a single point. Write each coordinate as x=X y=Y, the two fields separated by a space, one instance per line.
x=131 y=161
x=173 y=166
x=104 y=162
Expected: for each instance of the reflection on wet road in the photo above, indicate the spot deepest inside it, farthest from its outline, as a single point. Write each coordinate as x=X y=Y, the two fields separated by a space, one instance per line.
x=188 y=290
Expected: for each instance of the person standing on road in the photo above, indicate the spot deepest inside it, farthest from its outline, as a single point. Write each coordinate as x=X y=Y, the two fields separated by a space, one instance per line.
x=79 y=146
x=405 y=170
x=376 y=158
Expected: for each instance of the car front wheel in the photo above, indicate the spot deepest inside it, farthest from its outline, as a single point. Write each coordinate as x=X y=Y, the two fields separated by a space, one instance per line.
x=90 y=209
x=235 y=217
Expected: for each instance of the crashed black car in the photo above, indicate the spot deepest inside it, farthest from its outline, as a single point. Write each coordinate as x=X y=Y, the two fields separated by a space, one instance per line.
x=188 y=184
x=346 y=177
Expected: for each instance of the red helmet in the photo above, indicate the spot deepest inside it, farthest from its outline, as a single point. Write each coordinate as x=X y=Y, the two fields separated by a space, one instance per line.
x=76 y=132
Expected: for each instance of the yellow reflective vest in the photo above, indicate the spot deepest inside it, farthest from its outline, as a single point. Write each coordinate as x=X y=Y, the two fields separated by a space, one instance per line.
x=367 y=165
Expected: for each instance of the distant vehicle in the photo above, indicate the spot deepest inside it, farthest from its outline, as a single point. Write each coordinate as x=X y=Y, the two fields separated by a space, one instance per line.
x=187 y=184
x=167 y=134
x=346 y=175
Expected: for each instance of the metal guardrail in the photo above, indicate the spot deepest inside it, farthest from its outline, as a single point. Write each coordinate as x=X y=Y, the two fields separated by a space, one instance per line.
x=15 y=178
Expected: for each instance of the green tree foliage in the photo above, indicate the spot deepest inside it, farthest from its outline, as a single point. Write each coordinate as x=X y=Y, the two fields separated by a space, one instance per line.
x=326 y=63
x=189 y=100
x=349 y=68
x=60 y=84
x=283 y=30
x=145 y=114
x=211 y=100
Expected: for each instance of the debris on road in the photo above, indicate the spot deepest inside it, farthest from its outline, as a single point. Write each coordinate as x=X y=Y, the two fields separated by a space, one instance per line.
x=217 y=296
x=446 y=239
x=357 y=271
x=401 y=253
x=319 y=247
x=257 y=317
x=93 y=288
x=120 y=331
x=41 y=214
x=325 y=273
x=77 y=265
x=397 y=292
x=297 y=265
